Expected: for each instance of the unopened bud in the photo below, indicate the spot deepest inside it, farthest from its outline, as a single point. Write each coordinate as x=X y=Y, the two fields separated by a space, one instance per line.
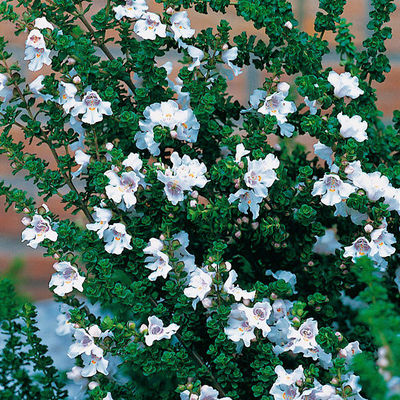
x=246 y=302
x=26 y=221
x=277 y=147
x=225 y=47
x=245 y=220
x=193 y=203
x=195 y=194
x=207 y=302
x=238 y=234
x=25 y=210
x=169 y=11
x=71 y=61
x=77 y=79
x=273 y=296
x=368 y=228
x=241 y=164
x=255 y=225
x=349 y=170
x=174 y=134
x=162 y=237
x=143 y=328
x=93 y=385
x=288 y=25
x=109 y=146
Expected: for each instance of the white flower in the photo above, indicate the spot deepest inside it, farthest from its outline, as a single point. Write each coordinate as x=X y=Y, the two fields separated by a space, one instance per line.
x=332 y=189
x=122 y=188
x=145 y=140
x=184 y=174
x=199 y=286
x=375 y=184
x=353 y=127
x=238 y=328
x=383 y=241
x=64 y=326
x=324 y=152
x=132 y=9
x=66 y=279
x=108 y=396
x=84 y=341
x=67 y=96
x=344 y=85
x=281 y=309
x=82 y=159
x=174 y=186
x=360 y=247
x=101 y=216
x=133 y=161
x=276 y=105
x=286 y=129
x=197 y=56
x=35 y=39
x=350 y=350
x=117 y=239
x=288 y=378
x=41 y=230
x=5 y=91
x=37 y=85
x=235 y=290
x=157 y=331
x=248 y=201
x=42 y=23
x=326 y=244
x=188 y=128
x=312 y=104
x=180 y=25
x=38 y=56
x=209 y=393
x=258 y=315
x=158 y=261
x=240 y=152
x=260 y=174
x=150 y=26
x=92 y=107
x=94 y=362
x=166 y=114
x=230 y=55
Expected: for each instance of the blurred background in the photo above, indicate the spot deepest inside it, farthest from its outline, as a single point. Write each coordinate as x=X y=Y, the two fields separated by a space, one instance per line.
x=29 y=268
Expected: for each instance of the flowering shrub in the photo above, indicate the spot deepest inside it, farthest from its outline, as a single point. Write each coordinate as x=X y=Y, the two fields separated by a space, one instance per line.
x=226 y=267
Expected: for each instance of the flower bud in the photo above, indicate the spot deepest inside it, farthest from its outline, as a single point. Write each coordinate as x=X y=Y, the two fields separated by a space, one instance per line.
x=189 y=386
x=41 y=210
x=193 y=203
x=71 y=61
x=76 y=79
x=174 y=134
x=93 y=385
x=334 y=381
x=245 y=220
x=26 y=210
x=26 y=221
x=255 y=225
x=225 y=47
x=195 y=194
x=169 y=11
x=241 y=164
x=246 y=302
x=238 y=234
x=368 y=228
x=143 y=328
x=162 y=237
x=273 y=296
x=207 y=302
x=288 y=25
x=56 y=256
x=109 y=146
x=349 y=170
x=277 y=147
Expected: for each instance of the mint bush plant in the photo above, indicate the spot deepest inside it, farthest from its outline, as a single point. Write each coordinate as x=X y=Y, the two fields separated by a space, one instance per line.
x=228 y=268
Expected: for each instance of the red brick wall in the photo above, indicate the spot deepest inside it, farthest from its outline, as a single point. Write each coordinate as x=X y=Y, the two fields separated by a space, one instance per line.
x=37 y=269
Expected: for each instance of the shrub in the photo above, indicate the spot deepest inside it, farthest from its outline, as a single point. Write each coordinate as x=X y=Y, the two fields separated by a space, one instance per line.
x=229 y=267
